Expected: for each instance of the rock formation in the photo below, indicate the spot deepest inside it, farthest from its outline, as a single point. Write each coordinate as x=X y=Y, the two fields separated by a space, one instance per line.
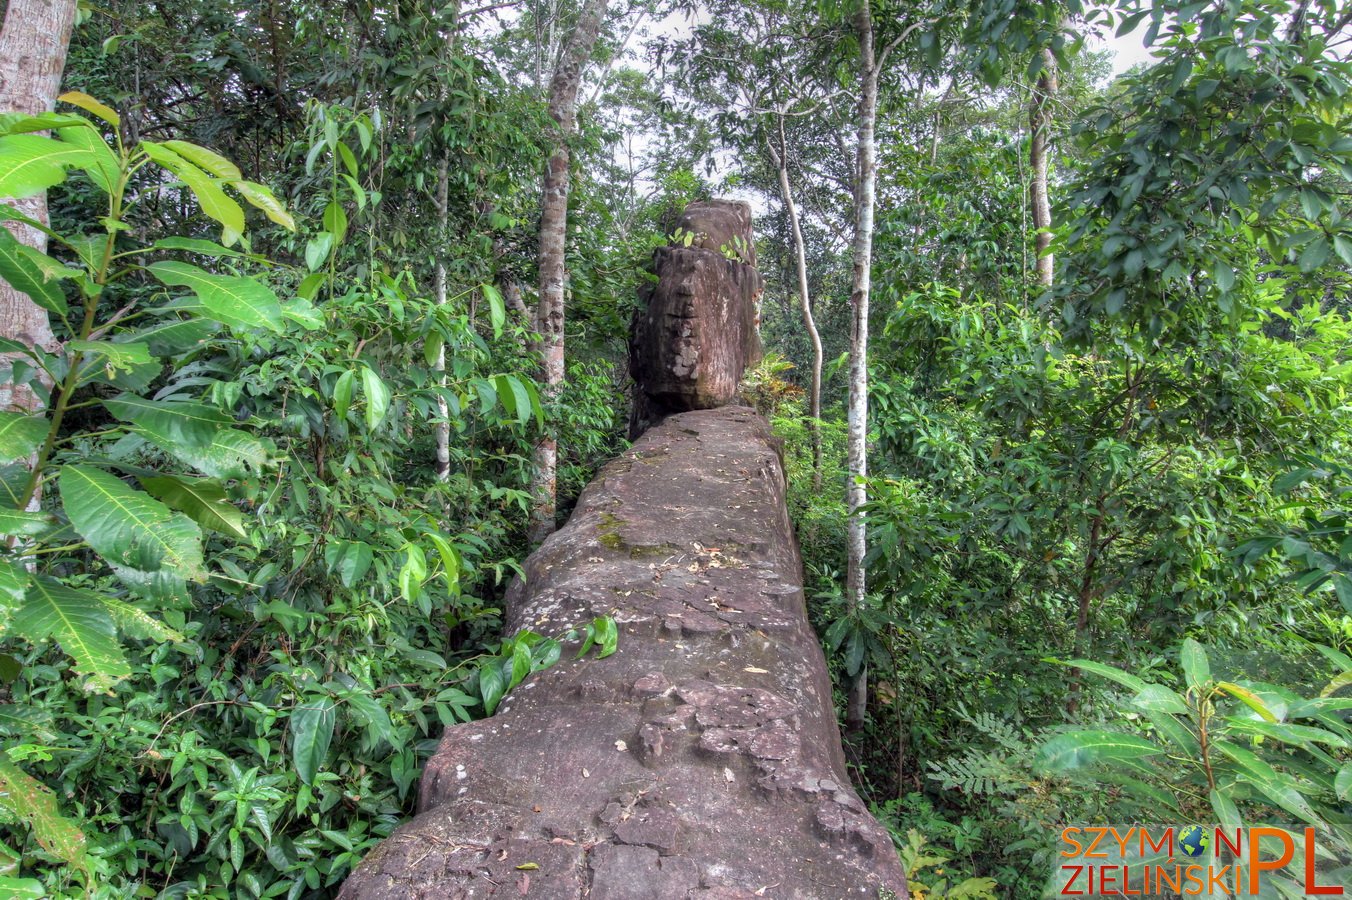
x=695 y=329
x=701 y=760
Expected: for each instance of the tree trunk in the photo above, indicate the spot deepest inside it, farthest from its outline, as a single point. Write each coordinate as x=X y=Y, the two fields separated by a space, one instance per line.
x=33 y=45
x=857 y=437
x=781 y=163
x=549 y=313
x=1039 y=123
x=439 y=365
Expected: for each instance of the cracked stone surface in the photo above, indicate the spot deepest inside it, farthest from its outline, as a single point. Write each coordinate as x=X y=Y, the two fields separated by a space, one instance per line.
x=702 y=760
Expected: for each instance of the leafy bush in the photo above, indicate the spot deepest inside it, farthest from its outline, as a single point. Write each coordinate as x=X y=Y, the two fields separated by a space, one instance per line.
x=266 y=605
x=1238 y=753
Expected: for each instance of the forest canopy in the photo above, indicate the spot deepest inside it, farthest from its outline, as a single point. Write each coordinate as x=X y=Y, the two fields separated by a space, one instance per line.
x=313 y=323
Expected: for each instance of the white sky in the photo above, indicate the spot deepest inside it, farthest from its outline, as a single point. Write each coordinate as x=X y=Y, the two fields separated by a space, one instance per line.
x=1128 y=50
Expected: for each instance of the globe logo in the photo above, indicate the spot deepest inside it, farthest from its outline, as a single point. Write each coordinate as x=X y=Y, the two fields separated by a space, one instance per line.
x=1194 y=841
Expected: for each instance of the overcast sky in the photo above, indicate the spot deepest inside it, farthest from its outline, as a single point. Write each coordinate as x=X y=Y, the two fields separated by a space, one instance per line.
x=1128 y=50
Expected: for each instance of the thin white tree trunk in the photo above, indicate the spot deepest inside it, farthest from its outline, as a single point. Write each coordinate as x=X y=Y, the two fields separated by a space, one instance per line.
x=781 y=163
x=33 y=44
x=857 y=435
x=1039 y=123
x=439 y=365
x=549 y=313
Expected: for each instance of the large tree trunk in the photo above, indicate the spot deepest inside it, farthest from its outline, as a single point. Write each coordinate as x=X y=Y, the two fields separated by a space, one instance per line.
x=780 y=158
x=33 y=46
x=857 y=436
x=549 y=314
x=1039 y=123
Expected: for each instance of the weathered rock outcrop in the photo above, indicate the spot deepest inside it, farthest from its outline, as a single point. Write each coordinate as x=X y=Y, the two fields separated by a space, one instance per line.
x=695 y=329
x=702 y=760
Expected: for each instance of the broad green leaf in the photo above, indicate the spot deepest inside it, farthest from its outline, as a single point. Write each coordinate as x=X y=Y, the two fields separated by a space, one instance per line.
x=28 y=722
x=22 y=267
x=18 y=123
x=1315 y=254
x=497 y=309
x=349 y=560
x=377 y=397
x=303 y=313
x=1227 y=814
x=346 y=155
x=342 y=393
x=31 y=163
x=89 y=104
x=1126 y=679
x=1287 y=733
x=20 y=435
x=175 y=336
x=1339 y=682
x=520 y=396
x=92 y=249
x=14 y=480
x=1160 y=699
x=1080 y=749
x=413 y=572
x=206 y=160
x=434 y=348
x=546 y=653
x=104 y=167
x=184 y=422
x=32 y=802
x=310 y=285
x=128 y=527
x=369 y=709
x=1248 y=698
x=231 y=299
x=335 y=221
x=23 y=522
x=450 y=561
x=10 y=214
x=535 y=404
x=136 y=622
x=1196 y=669
x=1278 y=788
x=112 y=360
x=231 y=453
x=14 y=582
x=521 y=664
x=1342 y=785
x=198 y=246
x=21 y=888
x=317 y=250
x=78 y=621
x=1175 y=732
x=260 y=196
x=1141 y=791
x=1337 y=657
x=488 y=395
x=1342 y=243
x=207 y=190
x=607 y=636
x=491 y=685
x=202 y=499
x=312 y=724
x=506 y=396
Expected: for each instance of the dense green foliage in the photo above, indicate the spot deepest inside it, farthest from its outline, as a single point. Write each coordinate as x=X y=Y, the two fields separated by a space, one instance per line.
x=1107 y=518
